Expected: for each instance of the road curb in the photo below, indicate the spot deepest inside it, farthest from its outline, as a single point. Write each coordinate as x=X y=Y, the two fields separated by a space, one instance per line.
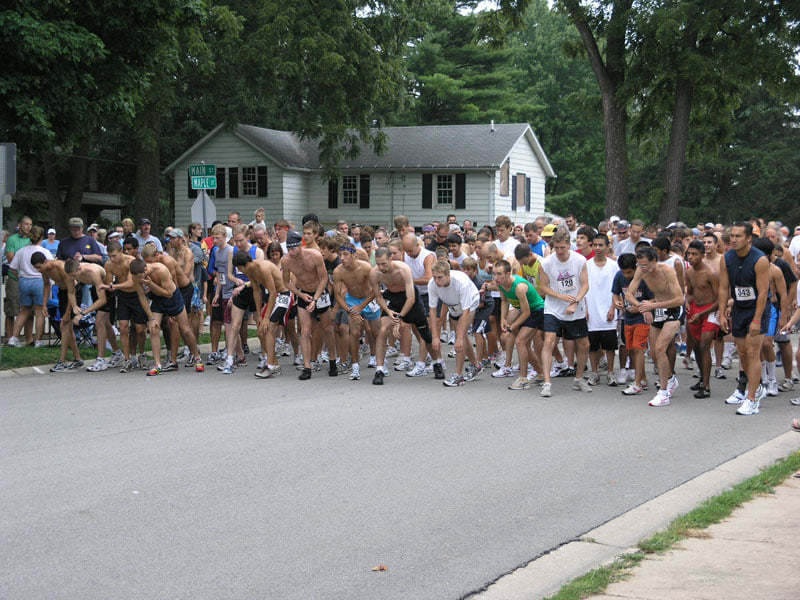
x=545 y=574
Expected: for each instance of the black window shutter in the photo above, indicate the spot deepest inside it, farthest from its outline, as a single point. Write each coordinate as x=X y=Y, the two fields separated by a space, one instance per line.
x=514 y=193
x=262 y=182
x=233 y=184
x=461 y=190
x=333 y=193
x=528 y=194
x=363 y=191
x=192 y=193
x=427 y=190
x=220 y=183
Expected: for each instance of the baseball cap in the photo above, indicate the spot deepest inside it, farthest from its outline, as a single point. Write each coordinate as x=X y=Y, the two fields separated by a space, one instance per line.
x=51 y=230
x=76 y=222
x=614 y=219
x=708 y=226
x=176 y=232
x=113 y=235
x=548 y=230
x=94 y=226
x=695 y=231
x=293 y=239
x=144 y=221
x=623 y=224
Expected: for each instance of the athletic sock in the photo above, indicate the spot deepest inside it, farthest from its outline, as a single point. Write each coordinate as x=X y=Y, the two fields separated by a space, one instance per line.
x=764 y=372
x=421 y=364
x=771 y=370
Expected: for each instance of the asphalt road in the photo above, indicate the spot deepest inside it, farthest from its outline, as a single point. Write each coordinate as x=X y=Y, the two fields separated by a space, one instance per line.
x=210 y=486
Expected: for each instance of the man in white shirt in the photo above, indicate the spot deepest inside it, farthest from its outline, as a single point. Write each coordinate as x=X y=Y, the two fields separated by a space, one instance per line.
x=601 y=314
x=504 y=241
x=143 y=235
x=564 y=282
x=458 y=293
x=634 y=237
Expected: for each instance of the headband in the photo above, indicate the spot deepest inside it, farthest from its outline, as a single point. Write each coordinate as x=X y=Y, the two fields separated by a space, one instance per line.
x=347 y=249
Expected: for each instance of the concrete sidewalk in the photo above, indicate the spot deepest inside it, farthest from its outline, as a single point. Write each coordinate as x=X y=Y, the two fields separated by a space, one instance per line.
x=753 y=554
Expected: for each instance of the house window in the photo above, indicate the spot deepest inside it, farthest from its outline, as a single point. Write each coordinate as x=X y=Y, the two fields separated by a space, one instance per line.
x=249 y=181
x=349 y=189
x=444 y=190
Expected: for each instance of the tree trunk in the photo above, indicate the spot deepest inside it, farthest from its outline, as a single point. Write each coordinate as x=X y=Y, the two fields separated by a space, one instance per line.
x=55 y=200
x=676 y=152
x=79 y=176
x=147 y=189
x=615 y=124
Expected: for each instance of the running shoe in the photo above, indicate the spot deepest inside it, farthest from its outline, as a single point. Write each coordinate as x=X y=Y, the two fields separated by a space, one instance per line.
x=726 y=362
x=581 y=385
x=719 y=373
x=241 y=362
x=438 y=371
x=499 y=359
x=503 y=372
x=471 y=372
x=128 y=367
x=372 y=362
x=212 y=358
x=170 y=366
x=199 y=367
x=355 y=374
x=451 y=353
x=612 y=379
x=98 y=365
x=702 y=393
x=417 y=371
x=323 y=356
x=75 y=364
x=267 y=371
x=245 y=348
x=787 y=385
x=333 y=369
x=227 y=368
x=454 y=381
x=116 y=359
x=748 y=407
x=343 y=367
x=632 y=390
x=593 y=378
x=191 y=360
x=520 y=384
x=545 y=391
x=403 y=365
x=672 y=385
x=377 y=379
x=622 y=377
x=39 y=344
x=568 y=372
x=13 y=342
x=391 y=351
x=156 y=370
x=305 y=374
x=697 y=386
x=58 y=367
x=795 y=401
x=736 y=397
x=687 y=364
x=661 y=398
x=761 y=393
x=772 y=387
x=298 y=360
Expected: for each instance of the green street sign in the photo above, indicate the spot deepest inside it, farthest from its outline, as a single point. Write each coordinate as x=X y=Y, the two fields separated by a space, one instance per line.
x=202 y=170
x=204 y=183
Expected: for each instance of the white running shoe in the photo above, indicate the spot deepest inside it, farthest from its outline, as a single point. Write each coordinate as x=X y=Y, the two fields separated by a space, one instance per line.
x=371 y=364
x=532 y=375
x=98 y=365
x=417 y=371
x=795 y=401
x=660 y=399
x=404 y=365
x=632 y=390
x=736 y=397
x=520 y=384
x=503 y=372
x=772 y=387
x=622 y=378
x=748 y=407
x=719 y=373
x=593 y=378
x=726 y=362
x=355 y=373
x=672 y=384
x=298 y=360
x=545 y=391
x=116 y=359
x=555 y=370
x=391 y=351
x=786 y=385
x=323 y=356
x=39 y=344
x=761 y=393
x=581 y=385
x=13 y=342
x=499 y=359
x=612 y=380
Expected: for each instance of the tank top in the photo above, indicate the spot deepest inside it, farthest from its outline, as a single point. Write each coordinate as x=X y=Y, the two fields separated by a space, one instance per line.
x=742 y=277
x=564 y=279
x=417 y=266
x=534 y=299
x=531 y=273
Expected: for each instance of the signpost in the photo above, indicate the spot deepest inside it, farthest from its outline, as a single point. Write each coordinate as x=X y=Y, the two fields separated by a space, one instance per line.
x=203 y=177
x=8 y=186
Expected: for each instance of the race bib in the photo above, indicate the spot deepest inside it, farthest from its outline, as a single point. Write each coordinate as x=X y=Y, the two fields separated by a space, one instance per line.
x=660 y=314
x=324 y=301
x=373 y=307
x=222 y=278
x=744 y=293
x=282 y=301
x=566 y=285
x=455 y=311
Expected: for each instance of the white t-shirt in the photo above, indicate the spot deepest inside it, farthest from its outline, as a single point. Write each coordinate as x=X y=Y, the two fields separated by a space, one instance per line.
x=599 y=298
x=627 y=246
x=460 y=294
x=507 y=247
x=21 y=262
x=564 y=279
x=794 y=246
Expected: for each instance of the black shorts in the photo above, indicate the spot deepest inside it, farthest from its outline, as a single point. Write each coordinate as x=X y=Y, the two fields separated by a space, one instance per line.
x=535 y=320
x=244 y=300
x=111 y=301
x=482 y=322
x=130 y=309
x=187 y=292
x=603 y=340
x=497 y=309
x=218 y=312
x=285 y=309
x=569 y=330
x=63 y=301
x=423 y=299
x=741 y=319
x=672 y=314
x=325 y=298
x=172 y=306
x=416 y=316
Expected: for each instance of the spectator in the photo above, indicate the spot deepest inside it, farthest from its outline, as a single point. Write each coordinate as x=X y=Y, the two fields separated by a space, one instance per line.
x=258 y=217
x=15 y=243
x=143 y=235
x=79 y=246
x=51 y=243
x=31 y=288
x=128 y=227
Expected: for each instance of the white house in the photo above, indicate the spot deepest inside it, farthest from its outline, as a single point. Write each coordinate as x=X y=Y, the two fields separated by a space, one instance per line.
x=476 y=172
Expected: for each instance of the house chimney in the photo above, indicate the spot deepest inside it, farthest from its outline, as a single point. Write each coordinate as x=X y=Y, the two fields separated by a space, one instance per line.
x=491 y=126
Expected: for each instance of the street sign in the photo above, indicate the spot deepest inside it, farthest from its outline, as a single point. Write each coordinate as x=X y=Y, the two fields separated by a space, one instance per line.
x=204 y=183
x=202 y=170
x=203 y=210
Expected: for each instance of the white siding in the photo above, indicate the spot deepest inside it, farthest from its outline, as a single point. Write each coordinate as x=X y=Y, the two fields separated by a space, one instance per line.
x=226 y=150
x=522 y=160
x=295 y=195
x=393 y=194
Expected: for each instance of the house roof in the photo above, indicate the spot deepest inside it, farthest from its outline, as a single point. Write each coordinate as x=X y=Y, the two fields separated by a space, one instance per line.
x=424 y=147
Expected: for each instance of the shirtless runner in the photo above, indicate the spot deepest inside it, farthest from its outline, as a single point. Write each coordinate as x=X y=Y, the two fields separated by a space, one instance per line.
x=663 y=312
x=167 y=300
x=399 y=302
x=701 y=318
x=178 y=249
x=305 y=275
x=265 y=275
x=355 y=295
x=129 y=309
x=150 y=255
x=54 y=270
x=103 y=301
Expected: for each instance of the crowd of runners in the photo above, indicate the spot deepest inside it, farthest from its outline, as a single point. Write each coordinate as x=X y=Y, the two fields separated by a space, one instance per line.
x=525 y=303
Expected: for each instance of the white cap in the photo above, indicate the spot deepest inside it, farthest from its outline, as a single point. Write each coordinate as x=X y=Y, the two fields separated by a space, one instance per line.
x=51 y=230
x=613 y=219
x=709 y=225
